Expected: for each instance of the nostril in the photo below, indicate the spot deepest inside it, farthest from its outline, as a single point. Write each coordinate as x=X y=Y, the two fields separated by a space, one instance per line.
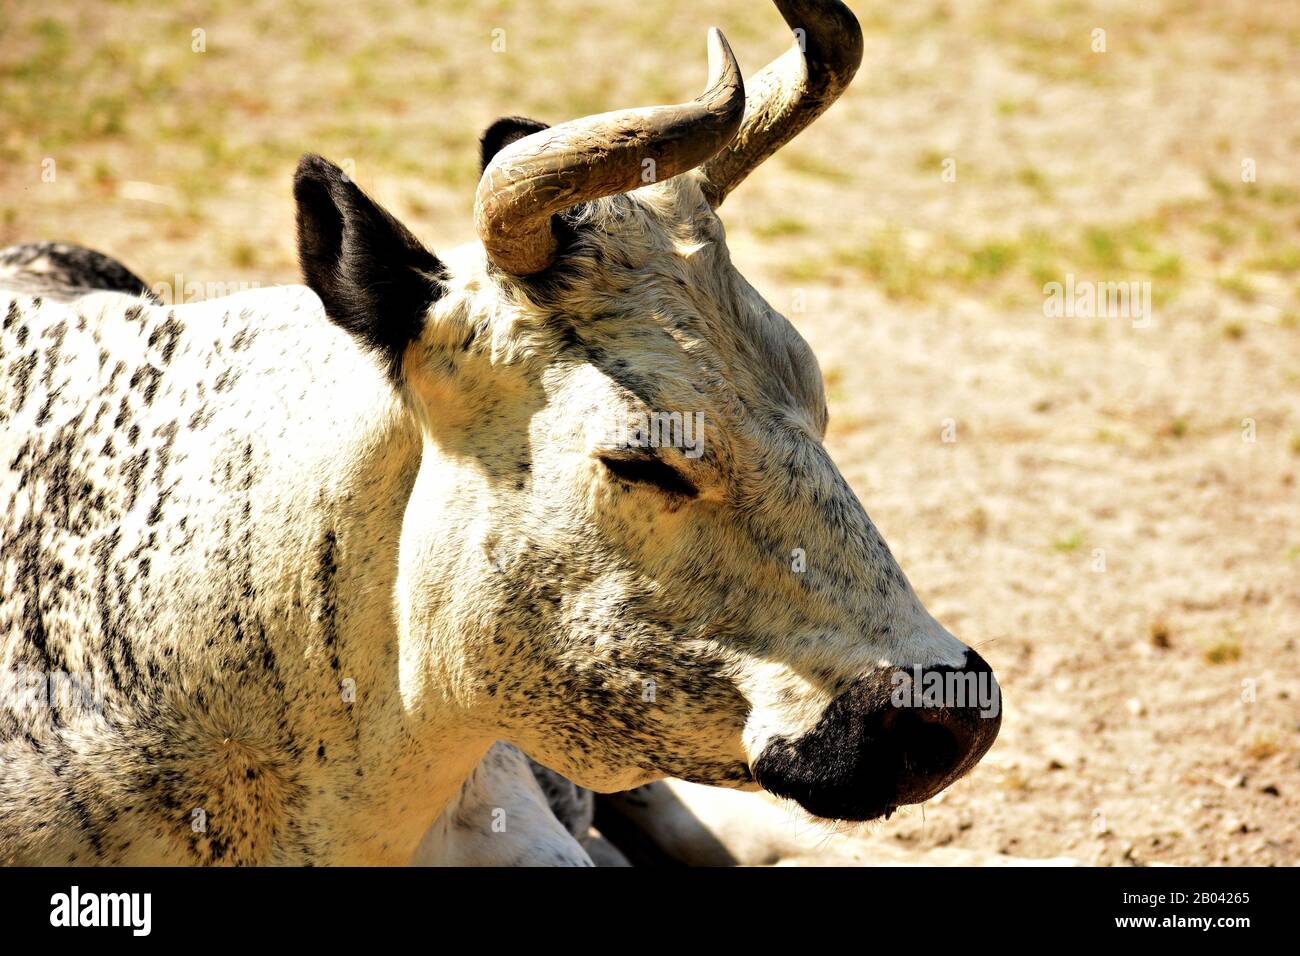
x=935 y=746
x=944 y=727
x=929 y=750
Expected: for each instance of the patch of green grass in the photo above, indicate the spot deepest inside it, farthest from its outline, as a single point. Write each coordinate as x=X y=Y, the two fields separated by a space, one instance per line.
x=931 y=161
x=1051 y=49
x=934 y=161
x=1221 y=232
x=1274 y=194
x=1281 y=196
x=781 y=226
x=53 y=49
x=1220 y=186
x=1127 y=246
x=1223 y=651
x=1238 y=286
x=1031 y=178
x=51 y=30
x=1011 y=105
x=833 y=379
x=1011 y=270
x=1283 y=260
x=1265 y=232
x=806 y=164
x=991 y=259
x=243 y=254
x=1069 y=543
x=1168 y=266
x=1102 y=248
x=105 y=115
x=1041 y=255
x=886 y=261
x=808 y=269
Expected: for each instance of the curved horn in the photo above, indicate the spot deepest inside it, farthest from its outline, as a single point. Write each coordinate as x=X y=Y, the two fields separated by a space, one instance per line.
x=791 y=91
x=547 y=172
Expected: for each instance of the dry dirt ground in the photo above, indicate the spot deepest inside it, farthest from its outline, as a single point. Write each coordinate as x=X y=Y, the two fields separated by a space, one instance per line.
x=1106 y=509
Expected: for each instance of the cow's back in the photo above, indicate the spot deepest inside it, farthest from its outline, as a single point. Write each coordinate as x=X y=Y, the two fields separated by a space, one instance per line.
x=170 y=572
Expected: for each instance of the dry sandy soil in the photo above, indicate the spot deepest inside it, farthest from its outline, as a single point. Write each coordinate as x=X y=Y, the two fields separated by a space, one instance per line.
x=1115 y=524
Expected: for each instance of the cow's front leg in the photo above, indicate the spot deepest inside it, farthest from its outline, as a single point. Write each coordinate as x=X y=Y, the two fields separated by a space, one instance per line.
x=674 y=822
x=500 y=818
x=575 y=808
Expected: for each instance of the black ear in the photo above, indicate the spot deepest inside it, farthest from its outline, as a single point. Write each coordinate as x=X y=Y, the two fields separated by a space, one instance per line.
x=504 y=132
x=374 y=277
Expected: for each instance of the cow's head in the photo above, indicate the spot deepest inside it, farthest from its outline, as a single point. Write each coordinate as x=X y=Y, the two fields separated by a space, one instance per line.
x=627 y=549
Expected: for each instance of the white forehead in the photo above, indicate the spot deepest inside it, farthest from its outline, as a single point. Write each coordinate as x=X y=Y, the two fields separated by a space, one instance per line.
x=654 y=290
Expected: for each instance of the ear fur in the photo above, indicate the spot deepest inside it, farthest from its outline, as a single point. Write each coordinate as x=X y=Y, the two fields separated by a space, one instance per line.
x=376 y=280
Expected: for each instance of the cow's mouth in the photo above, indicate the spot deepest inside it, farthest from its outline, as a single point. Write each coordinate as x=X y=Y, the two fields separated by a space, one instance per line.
x=870 y=754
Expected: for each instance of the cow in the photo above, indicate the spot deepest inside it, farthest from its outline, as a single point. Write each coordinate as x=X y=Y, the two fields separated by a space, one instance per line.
x=549 y=818
x=279 y=570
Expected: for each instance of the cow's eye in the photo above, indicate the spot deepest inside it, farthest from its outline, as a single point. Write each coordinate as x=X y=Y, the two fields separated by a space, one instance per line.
x=650 y=471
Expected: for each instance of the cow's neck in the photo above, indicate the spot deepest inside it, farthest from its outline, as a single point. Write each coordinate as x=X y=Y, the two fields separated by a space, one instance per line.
x=396 y=746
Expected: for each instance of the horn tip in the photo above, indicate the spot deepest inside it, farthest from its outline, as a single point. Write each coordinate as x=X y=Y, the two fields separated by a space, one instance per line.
x=723 y=68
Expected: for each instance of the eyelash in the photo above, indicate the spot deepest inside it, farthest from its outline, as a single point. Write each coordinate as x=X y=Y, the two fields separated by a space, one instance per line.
x=650 y=471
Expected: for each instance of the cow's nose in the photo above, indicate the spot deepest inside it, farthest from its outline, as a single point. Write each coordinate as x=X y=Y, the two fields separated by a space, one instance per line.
x=896 y=736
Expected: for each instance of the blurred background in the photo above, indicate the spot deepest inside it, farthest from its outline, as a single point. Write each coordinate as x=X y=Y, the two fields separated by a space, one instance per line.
x=1106 y=508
